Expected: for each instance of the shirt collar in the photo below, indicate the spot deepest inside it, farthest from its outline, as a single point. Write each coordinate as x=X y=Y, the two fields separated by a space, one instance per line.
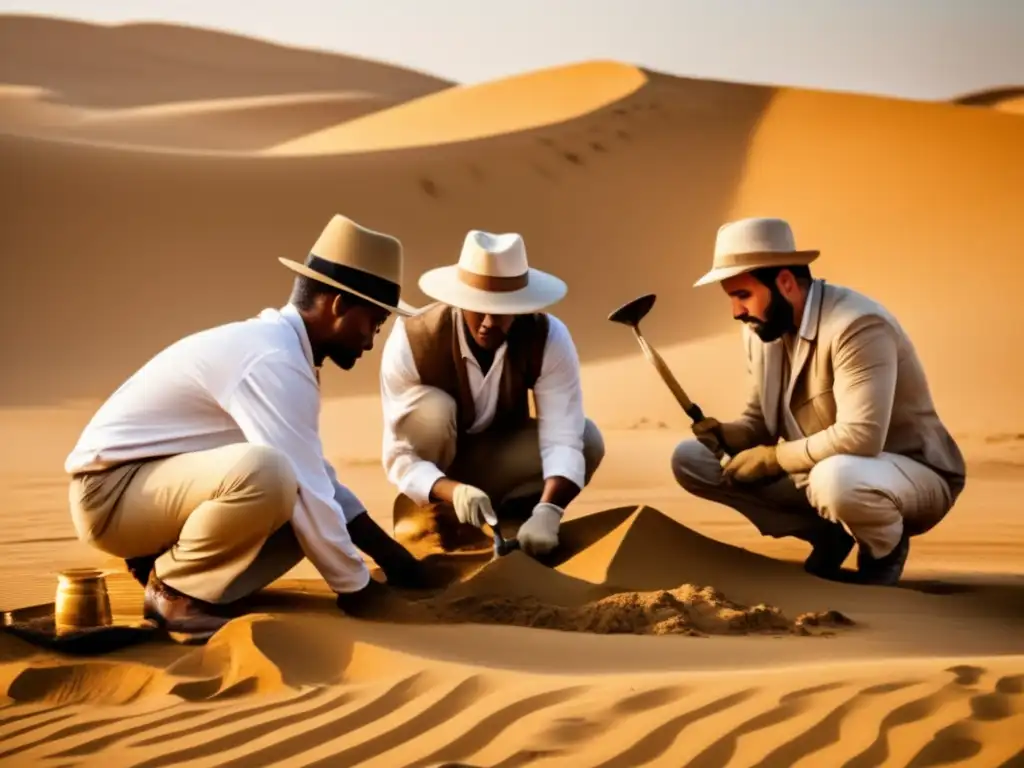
x=291 y=315
x=812 y=310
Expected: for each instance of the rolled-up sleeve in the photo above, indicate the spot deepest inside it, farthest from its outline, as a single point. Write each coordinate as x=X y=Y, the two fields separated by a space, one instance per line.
x=560 y=417
x=276 y=403
x=865 y=361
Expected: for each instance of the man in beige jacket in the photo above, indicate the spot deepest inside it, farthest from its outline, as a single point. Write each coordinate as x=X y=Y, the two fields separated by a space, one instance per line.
x=839 y=428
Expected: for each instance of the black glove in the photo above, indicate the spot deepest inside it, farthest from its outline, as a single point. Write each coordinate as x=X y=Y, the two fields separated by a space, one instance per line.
x=399 y=565
x=368 y=601
x=410 y=573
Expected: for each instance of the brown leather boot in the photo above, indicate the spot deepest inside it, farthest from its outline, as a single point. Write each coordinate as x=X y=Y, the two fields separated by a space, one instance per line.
x=179 y=613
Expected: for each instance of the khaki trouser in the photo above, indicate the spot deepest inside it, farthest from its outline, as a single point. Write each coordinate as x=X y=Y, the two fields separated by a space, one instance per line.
x=219 y=517
x=503 y=466
x=874 y=497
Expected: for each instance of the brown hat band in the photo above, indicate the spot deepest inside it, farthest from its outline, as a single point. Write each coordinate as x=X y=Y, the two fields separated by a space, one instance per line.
x=492 y=283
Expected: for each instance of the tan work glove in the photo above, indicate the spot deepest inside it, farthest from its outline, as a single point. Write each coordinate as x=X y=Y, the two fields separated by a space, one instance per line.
x=757 y=463
x=473 y=506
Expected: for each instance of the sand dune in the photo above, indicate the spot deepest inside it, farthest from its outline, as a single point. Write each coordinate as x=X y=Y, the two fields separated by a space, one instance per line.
x=965 y=711
x=30 y=109
x=1015 y=105
x=152 y=176
x=1003 y=99
x=554 y=95
x=175 y=87
x=650 y=179
x=240 y=124
x=305 y=683
x=125 y=65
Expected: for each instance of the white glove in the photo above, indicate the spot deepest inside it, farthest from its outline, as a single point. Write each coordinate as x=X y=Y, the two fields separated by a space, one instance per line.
x=539 y=534
x=472 y=506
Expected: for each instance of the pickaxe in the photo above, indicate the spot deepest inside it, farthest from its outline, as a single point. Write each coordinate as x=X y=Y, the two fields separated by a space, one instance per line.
x=631 y=314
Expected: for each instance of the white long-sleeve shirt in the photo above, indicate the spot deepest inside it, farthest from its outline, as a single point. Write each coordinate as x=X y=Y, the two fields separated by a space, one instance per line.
x=558 y=394
x=248 y=381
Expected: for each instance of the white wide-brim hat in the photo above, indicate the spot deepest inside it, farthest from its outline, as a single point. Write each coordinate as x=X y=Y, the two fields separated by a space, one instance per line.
x=359 y=260
x=493 y=277
x=749 y=244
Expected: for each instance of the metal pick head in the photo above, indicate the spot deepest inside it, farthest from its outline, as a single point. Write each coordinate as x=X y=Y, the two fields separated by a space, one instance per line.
x=631 y=313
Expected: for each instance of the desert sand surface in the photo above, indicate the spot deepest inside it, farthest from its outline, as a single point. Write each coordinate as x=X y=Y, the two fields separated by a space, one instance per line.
x=145 y=198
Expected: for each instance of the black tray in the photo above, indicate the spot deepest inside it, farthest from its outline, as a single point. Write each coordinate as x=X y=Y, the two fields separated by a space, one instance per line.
x=35 y=624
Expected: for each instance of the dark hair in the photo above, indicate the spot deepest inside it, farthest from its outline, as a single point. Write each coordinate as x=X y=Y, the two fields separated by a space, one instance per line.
x=306 y=292
x=767 y=275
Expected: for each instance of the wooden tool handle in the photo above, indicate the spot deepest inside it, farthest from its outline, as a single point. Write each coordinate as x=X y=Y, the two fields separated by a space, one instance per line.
x=667 y=376
x=689 y=407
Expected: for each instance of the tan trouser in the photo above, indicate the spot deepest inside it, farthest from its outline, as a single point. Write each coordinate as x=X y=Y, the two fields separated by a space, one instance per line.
x=219 y=517
x=503 y=466
x=874 y=497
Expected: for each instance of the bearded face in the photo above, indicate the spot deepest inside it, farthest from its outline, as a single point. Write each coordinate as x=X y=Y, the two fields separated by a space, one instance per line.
x=763 y=307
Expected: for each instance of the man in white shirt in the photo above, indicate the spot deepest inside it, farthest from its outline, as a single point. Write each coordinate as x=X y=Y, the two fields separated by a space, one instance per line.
x=205 y=470
x=458 y=435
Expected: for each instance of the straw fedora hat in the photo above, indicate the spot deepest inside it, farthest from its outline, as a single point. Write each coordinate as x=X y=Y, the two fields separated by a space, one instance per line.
x=354 y=258
x=749 y=244
x=492 y=276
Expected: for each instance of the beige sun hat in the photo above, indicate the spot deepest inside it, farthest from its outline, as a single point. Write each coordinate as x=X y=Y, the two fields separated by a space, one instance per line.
x=354 y=258
x=493 y=276
x=748 y=244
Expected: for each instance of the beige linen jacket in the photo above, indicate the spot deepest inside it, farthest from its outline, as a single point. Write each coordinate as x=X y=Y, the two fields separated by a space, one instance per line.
x=857 y=387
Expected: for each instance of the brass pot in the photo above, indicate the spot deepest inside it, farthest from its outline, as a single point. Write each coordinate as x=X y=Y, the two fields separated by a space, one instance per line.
x=82 y=600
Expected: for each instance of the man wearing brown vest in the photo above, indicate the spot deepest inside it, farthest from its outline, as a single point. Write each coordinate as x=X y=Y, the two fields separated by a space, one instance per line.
x=458 y=434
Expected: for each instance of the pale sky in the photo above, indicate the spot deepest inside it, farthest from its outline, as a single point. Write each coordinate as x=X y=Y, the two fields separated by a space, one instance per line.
x=914 y=48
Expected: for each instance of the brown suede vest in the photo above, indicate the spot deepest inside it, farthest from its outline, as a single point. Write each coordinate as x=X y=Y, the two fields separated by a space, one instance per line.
x=434 y=341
